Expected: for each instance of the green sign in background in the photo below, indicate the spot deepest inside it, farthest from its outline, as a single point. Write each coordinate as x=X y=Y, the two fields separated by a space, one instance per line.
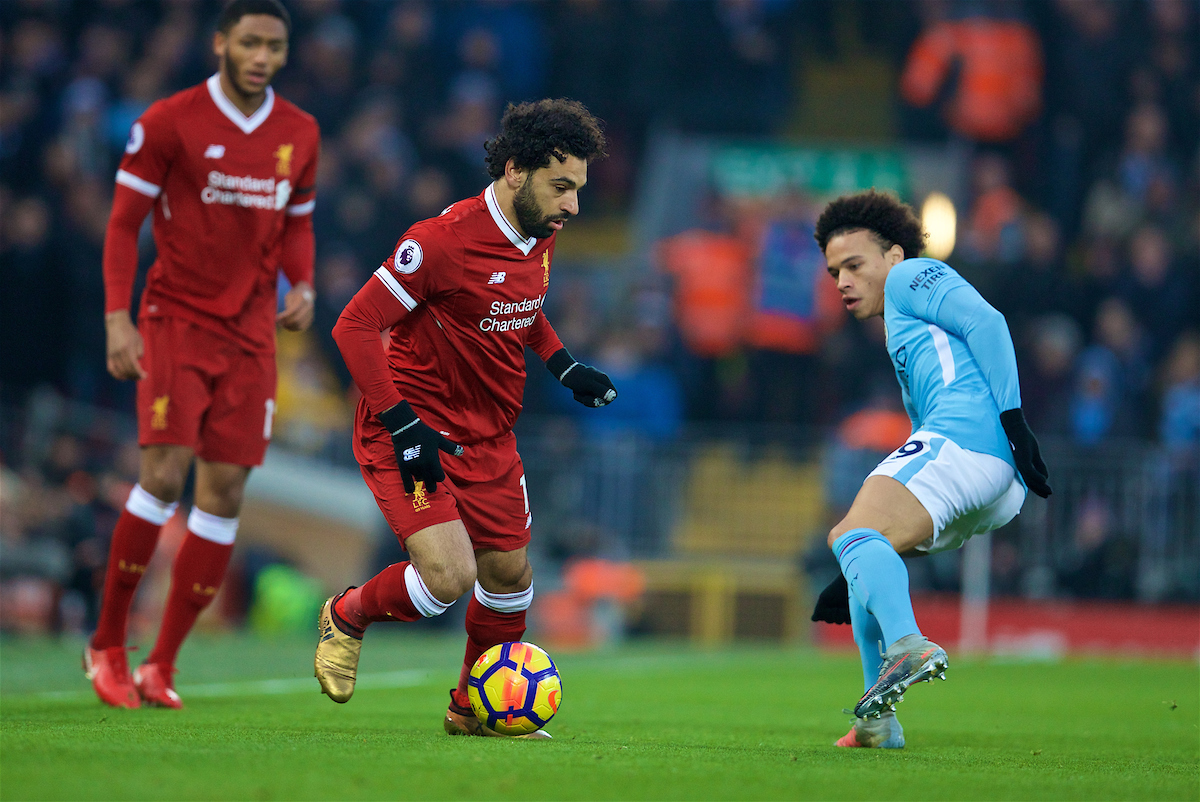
x=751 y=171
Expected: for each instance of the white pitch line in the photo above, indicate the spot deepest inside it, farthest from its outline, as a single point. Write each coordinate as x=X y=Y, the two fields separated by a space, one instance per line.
x=268 y=687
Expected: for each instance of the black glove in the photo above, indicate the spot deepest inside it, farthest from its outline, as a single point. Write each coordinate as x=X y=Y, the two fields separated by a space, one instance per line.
x=417 y=448
x=833 y=605
x=1025 y=451
x=591 y=387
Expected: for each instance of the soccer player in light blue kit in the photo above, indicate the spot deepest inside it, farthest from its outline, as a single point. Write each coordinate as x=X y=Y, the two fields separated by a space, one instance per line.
x=965 y=467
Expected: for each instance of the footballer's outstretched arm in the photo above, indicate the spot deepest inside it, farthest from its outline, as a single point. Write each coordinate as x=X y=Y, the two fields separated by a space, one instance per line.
x=591 y=387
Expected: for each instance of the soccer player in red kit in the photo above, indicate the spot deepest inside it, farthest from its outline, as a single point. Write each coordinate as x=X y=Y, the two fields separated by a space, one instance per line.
x=228 y=169
x=462 y=294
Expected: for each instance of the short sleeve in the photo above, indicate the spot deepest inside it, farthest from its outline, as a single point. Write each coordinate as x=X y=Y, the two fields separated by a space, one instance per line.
x=149 y=152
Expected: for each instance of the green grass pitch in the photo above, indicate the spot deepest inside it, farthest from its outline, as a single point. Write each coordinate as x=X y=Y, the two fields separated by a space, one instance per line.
x=644 y=721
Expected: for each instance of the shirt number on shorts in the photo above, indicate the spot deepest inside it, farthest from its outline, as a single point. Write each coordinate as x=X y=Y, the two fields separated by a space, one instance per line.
x=908 y=449
x=525 y=492
x=269 y=419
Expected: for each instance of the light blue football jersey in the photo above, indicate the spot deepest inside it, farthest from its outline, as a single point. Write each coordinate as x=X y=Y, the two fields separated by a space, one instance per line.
x=953 y=355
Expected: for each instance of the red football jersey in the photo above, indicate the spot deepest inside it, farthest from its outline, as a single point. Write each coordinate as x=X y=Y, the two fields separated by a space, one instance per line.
x=468 y=292
x=223 y=184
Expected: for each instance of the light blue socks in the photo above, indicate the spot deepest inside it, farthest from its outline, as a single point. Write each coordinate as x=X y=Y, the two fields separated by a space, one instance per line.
x=878 y=581
x=868 y=636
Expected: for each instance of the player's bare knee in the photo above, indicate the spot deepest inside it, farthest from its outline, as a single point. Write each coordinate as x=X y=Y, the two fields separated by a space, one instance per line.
x=507 y=578
x=225 y=502
x=837 y=531
x=162 y=480
x=447 y=582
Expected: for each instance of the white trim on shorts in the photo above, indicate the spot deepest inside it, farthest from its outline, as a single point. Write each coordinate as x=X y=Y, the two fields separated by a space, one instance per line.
x=966 y=493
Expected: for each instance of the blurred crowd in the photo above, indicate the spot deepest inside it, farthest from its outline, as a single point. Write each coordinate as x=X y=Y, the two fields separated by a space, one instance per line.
x=1077 y=120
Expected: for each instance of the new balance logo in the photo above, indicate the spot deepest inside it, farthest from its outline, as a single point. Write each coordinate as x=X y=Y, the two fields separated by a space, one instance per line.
x=214 y=152
x=412 y=453
x=497 y=278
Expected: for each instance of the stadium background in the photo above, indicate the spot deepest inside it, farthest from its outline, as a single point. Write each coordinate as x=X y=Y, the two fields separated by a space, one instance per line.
x=1062 y=133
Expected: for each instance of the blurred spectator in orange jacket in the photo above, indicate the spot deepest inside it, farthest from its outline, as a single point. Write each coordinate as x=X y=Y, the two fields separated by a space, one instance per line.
x=997 y=61
x=993 y=231
x=712 y=289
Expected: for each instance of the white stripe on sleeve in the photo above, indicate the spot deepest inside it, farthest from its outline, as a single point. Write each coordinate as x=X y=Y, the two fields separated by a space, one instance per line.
x=942 y=343
x=141 y=185
x=395 y=288
x=301 y=209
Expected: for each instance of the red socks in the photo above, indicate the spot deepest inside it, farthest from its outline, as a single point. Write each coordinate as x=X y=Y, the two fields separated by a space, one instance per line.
x=383 y=597
x=195 y=577
x=485 y=628
x=132 y=547
x=397 y=593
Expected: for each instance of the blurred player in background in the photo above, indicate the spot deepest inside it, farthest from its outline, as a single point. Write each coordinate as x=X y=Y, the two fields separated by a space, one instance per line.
x=462 y=294
x=228 y=169
x=965 y=467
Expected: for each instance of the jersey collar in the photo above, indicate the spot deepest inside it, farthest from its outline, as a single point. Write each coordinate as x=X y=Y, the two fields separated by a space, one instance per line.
x=524 y=244
x=247 y=124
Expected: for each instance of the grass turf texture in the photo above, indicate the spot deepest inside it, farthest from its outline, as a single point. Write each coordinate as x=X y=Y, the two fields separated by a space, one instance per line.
x=648 y=721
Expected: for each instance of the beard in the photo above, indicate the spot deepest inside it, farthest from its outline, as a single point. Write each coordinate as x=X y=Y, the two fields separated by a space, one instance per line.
x=231 y=73
x=529 y=214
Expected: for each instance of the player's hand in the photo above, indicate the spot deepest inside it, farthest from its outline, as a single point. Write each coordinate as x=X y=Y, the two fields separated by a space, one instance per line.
x=298 y=306
x=417 y=448
x=591 y=387
x=124 y=345
x=1026 y=453
x=833 y=605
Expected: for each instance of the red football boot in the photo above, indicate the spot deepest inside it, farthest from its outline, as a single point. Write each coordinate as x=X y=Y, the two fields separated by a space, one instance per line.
x=155 y=684
x=108 y=669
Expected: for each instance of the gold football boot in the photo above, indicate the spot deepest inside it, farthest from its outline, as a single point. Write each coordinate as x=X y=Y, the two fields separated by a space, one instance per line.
x=336 y=662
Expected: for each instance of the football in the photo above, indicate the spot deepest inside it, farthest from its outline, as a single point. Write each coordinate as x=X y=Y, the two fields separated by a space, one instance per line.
x=514 y=688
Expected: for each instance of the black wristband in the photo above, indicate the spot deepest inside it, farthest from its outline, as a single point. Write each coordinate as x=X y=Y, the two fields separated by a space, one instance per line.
x=560 y=362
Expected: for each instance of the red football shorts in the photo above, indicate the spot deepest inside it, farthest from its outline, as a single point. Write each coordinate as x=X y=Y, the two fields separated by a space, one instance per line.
x=204 y=392
x=485 y=488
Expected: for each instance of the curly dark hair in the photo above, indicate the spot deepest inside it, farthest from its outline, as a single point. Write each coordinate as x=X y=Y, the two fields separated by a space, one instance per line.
x=530 y=133
x=890 y=221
